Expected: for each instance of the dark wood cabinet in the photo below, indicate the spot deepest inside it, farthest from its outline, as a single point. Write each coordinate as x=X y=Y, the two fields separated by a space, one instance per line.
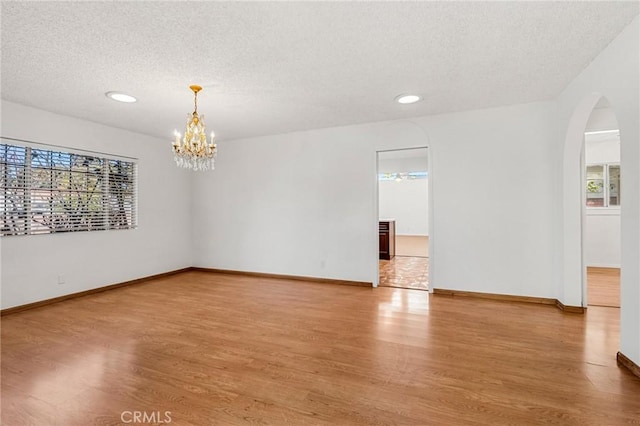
x=387 y=239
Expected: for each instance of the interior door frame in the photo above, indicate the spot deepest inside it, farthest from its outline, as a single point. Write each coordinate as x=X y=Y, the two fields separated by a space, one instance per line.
x=430 y=210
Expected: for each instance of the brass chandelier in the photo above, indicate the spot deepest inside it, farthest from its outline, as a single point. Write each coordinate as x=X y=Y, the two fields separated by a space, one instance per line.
x=193 y=151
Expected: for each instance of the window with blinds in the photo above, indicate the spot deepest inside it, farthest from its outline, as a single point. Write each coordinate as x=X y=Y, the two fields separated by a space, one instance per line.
x=45 y=191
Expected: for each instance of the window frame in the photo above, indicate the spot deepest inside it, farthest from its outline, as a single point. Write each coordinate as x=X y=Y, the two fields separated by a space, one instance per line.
x=606 y=186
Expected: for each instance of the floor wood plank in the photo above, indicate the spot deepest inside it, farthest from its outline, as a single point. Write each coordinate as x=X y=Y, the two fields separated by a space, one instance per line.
x=603 y=286
x=226 y=349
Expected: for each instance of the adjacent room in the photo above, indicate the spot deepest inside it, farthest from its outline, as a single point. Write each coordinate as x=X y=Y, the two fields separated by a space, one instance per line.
x=320 y=213
x=602 y=239
x=403 y=209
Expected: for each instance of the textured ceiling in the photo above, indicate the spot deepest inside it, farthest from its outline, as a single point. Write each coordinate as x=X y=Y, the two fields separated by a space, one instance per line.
x=275 y=67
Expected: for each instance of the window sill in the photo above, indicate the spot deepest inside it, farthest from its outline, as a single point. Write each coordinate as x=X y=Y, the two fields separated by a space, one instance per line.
x=603 y=211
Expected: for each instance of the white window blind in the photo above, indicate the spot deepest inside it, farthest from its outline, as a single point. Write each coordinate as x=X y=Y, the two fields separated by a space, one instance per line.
x=46 y=191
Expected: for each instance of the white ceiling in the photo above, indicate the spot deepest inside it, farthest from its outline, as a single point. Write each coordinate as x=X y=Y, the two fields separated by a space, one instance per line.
x=275 y=67
x=591 y=139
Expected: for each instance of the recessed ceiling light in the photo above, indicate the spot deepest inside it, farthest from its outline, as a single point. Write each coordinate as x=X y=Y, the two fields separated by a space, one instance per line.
x=120 y=97
x=602 y=132
x=408 y=99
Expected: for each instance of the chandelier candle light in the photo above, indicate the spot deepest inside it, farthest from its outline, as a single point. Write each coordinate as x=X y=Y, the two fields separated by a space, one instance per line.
x=193 y=151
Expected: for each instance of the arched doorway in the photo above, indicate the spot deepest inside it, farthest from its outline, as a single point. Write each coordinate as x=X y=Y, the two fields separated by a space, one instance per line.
x=573 y=287
x=601 y=208
x=574 y=278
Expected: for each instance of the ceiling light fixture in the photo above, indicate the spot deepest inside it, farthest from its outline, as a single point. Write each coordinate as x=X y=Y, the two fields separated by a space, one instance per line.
x=408 y=99
x=120 y=97
x=193 y=152
x=602 y=132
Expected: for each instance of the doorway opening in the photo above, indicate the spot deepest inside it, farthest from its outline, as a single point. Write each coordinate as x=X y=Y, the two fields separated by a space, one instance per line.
x=403 y=212
x=601 y=208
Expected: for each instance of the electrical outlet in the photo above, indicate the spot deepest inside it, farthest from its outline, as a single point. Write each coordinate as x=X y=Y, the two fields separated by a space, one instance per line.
x=60 y=279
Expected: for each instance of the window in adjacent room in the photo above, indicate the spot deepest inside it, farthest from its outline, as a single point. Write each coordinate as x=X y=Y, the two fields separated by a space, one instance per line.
x=603 y=185
x=47 y=191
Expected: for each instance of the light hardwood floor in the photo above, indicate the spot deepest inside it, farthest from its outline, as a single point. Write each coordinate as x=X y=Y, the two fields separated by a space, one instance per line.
x=603 y=286
x=413 y=273
x=218 y=349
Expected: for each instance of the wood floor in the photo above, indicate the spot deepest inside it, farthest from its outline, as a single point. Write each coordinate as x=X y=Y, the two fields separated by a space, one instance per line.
x=603 y=286
x=404 y=272
x=219 y=349
x=413 y=273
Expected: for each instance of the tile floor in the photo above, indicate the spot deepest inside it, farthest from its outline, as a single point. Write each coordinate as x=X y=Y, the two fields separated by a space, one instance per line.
x=405 y=272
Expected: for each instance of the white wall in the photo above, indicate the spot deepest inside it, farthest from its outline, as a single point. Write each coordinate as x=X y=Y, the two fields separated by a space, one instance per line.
x=304 y=203
x=601 y=150
x=406 y=201
x=31 y=264
x=602 y=238
x=602 y=118
x=388 y=162
x=615 y=74
x=602 y=225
